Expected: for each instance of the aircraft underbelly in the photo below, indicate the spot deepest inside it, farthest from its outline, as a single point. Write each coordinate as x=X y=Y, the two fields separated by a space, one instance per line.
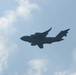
x=42 y=41
x=36 y=41
x=49 y=40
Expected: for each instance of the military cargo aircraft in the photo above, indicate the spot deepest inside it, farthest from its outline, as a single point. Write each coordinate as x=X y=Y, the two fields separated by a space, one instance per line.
x=40 y=38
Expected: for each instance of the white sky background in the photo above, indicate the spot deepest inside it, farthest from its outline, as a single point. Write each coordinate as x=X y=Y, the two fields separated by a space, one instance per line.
x=25 y=17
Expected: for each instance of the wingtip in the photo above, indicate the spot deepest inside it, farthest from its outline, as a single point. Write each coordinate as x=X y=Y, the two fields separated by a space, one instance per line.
x=68 y=29
x=50 y=28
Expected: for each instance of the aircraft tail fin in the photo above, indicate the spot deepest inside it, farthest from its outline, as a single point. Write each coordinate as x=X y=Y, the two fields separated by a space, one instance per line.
x=62 y=34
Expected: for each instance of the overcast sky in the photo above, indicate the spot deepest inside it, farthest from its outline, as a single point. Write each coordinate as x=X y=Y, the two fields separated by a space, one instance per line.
x=25 y=17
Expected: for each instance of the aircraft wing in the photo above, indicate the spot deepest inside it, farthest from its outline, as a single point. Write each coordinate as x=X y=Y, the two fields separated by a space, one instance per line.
x=43 y=34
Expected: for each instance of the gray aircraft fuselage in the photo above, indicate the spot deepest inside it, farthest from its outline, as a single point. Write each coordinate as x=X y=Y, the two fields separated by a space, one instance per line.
x=35 y=40
x=40 y=38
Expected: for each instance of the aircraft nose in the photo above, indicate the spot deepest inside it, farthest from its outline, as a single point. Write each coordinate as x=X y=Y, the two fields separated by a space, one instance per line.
x=24 y=38
x=21 y=38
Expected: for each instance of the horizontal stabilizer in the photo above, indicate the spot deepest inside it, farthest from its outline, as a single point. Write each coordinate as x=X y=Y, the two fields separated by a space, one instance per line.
x=62 y=34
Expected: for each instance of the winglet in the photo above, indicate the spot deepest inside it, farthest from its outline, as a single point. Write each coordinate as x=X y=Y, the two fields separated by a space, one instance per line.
x=49 y=29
